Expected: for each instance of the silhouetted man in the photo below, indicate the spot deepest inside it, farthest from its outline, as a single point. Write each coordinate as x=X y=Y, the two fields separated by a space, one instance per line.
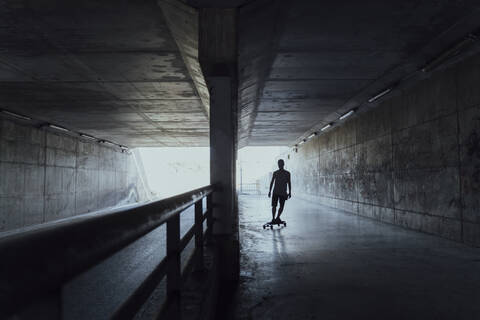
x=281 y=178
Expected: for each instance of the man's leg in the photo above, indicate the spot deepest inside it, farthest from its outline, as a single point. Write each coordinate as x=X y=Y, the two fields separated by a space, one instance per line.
x=282 y=204
x=274 y=206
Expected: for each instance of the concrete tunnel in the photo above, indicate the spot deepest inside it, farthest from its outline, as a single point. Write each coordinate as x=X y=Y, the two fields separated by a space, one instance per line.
x=378 y=103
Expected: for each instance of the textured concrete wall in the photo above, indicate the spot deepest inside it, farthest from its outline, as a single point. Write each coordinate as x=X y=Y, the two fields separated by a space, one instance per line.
x=45 y=176
x=414 y=161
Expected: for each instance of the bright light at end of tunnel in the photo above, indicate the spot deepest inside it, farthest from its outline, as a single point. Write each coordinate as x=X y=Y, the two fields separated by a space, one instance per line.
x=172 y=171
x=255 y=164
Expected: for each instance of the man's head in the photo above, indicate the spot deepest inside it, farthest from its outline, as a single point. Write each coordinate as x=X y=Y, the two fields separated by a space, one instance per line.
x=281 y=163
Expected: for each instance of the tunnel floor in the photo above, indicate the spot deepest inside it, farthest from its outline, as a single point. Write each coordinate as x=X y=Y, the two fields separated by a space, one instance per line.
x=328 y=264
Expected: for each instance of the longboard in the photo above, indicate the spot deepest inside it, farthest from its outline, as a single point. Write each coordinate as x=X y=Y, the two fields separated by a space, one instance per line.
x=270 y=224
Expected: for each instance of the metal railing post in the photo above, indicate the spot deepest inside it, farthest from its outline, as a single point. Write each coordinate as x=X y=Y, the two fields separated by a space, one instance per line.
x=209 y=219
x=173 y=267
x=199 y=235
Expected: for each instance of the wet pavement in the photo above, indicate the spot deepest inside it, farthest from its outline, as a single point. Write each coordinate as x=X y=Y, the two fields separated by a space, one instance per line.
x=328 y=264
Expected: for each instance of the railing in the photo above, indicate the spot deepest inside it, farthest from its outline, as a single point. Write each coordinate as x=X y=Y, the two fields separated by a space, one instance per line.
x=250 y=188
x=40 y=261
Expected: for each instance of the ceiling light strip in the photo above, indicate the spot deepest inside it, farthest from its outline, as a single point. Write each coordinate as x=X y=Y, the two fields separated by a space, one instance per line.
x=86 y=136
x=53 y=126
x=450 y=53
x=378 y=96
x=16 y=115
x=326 y=127
x=348 y=114
x=60 y=128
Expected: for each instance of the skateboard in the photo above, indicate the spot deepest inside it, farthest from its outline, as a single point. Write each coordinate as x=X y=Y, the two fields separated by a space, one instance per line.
x=270 y=224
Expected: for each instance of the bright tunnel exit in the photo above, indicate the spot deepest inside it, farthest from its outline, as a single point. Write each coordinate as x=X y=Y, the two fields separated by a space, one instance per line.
x=172 y=171
x=255 y=166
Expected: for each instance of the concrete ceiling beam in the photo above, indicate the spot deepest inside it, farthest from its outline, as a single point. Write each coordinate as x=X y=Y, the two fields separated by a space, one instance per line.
x=182 y=20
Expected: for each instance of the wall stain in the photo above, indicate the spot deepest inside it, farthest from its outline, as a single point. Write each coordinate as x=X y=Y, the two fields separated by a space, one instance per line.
x=472 y=145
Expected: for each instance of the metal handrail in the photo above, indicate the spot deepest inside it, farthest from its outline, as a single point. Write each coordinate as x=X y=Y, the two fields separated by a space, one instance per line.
x=42 y=259
x=250 y=187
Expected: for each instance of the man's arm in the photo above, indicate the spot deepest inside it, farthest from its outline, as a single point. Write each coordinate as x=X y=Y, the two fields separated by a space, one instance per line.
x=289 y=183
x=271 y=185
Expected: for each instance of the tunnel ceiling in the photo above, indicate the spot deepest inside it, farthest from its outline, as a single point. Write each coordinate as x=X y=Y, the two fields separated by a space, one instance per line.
x=110 y=69
x=114 y=70
x=304 y=63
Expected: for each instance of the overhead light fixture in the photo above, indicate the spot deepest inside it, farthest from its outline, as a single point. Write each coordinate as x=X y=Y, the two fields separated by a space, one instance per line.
x=107 y=142
x=16 y=115
x=86 y=136
x=378 y=96
x=111 y=143
x=302 y=142
x=348 y=114
x=326 y=127
x=58 y=127
x=312 y=135
x=450 y=53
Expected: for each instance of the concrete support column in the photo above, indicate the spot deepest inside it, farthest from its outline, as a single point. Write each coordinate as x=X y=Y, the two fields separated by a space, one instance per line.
x=222 y=155
x=222 y=174
x=218 y=59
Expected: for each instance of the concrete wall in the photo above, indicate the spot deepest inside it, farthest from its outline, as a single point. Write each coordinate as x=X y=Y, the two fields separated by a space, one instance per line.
x=45 y=176
x=414 y=161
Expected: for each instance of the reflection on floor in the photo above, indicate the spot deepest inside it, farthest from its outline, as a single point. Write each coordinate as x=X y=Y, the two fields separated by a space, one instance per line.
x=327 y=264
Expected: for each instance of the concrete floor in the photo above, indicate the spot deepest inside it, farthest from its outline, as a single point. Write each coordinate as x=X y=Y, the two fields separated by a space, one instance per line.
x=327 y=264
